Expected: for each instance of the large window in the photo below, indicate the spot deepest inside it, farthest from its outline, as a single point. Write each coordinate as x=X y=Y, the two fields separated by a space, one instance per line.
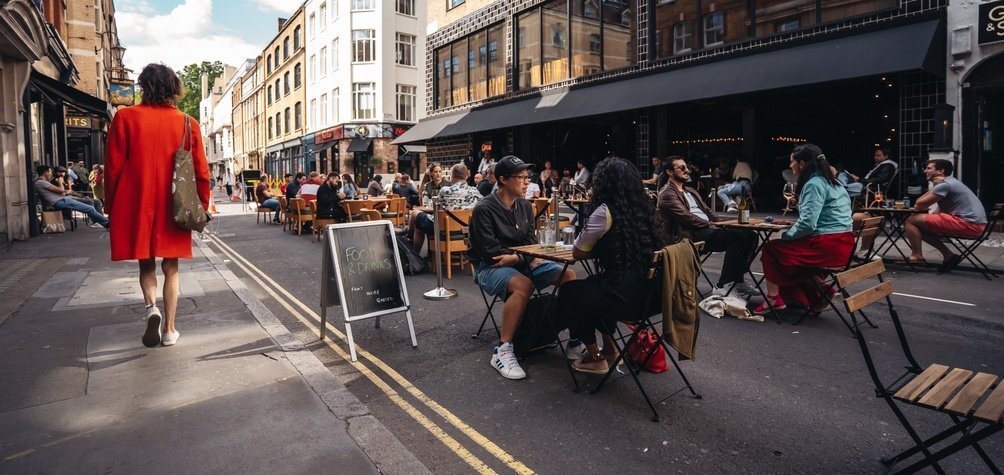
x=322 y=15
x=285 y=48
x=312 y=26
x=363 y=5
x=313 y=113
x=323 y=110
x=405 y=53
x=278 y=125
x=554 y=67
x=620 y=31
x=528 y=49
x=285 y=83
x=363 y=46
x=298 y=108
x=277 y=89
x=714 y=29
x=405 y=7
x=334 y=106
x=405 y=103
x=683 y=36
x=270 y=94
x=363 y=100
x=268 y=64
x=276 y=56
x=269 y=127
x=454 y=3
x=323 y=61
x=297 y=76
x=297 y=37
x=587 y=44
x=285 y=120
x=334 y=54
x=470 y=68
x=312 y=62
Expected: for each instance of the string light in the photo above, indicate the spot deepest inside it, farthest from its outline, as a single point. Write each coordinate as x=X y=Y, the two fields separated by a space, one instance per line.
x=711 y=140
x=788 y=139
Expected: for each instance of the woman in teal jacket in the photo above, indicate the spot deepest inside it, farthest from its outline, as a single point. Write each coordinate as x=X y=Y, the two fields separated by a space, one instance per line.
x=821 y=237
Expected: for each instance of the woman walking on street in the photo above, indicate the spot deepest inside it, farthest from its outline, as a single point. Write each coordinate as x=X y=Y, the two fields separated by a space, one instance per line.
x=139 y=168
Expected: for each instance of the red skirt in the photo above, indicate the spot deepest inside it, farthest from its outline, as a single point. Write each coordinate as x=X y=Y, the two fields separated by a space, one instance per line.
x=789 y=263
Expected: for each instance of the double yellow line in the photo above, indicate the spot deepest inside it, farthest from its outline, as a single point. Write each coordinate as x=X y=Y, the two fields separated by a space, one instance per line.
x=291 y=303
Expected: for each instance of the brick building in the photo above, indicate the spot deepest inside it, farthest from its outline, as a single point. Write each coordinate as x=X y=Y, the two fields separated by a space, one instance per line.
x=285 y=98
x=568 y=80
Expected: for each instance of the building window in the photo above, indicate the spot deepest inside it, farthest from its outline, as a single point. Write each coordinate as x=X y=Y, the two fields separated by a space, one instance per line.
x=334 y=54
x=405 y=7
x=334 y=10
x=484 y=75
x=405 y=49
x=285 y=48
x=323 y=15
x=285 y=82
x=453 y=3
x=324 y=61
x=362 y=5
x=595 y=43
x=324 y=109
x=558 y=35
x=334 y=106
x=363 y=46
x=269 y=127
x=285 y=120
x=312 y=26
x=313 y=113
x=528 y=49
x=269 y=94
x=786 y=25
x=298 y=108
x=297 y=76
x=297 y=38
x=405 y=103
x=276 y=56
x=363 y=100
x=590 y=9
x=683 y=35
x=268 y=64
x=714 y=29
x=313 y=67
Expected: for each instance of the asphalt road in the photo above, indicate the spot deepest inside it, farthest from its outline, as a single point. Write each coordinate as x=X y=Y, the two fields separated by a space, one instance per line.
x=776 y=397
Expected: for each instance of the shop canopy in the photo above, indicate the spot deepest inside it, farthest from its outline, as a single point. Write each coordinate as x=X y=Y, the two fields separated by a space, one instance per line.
x=360 y=144
x=59 y=92
x=917 y=46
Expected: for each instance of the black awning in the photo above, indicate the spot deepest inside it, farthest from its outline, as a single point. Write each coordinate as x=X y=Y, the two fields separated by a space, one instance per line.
x=359 y=144
x=70 y=96
x=325 y=146
x=918 y=46
x=428 y=128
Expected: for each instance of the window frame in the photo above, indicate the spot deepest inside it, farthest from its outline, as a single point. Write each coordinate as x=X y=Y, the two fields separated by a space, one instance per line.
x=689 y=37
x=361 y=5
x=400 y=47
x=297 y=76
x=297 y=38
x=298 y=116
x=322 y=62
x=451 y=4
x=358 y=94
x=285 y=84
x=399 y=10
x=285 y=48
x=410 y=97
x=720 y=28
x=370 y=46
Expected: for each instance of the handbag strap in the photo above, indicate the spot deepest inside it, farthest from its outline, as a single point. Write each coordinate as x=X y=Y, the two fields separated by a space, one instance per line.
x=186 y=139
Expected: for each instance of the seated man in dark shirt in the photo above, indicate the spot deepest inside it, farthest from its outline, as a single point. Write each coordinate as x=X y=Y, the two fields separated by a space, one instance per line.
x=294 y=186
x=687 y=216
x=329 y=199
x=264 y=197
x=56 y=197
x=501 y=220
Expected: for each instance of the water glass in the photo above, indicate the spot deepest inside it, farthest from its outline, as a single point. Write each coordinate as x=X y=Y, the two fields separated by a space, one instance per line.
x=544 y=237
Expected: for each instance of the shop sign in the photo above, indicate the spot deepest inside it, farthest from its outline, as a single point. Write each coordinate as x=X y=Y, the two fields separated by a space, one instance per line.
x=122 y=93
x=991 y=26
x=78 y=122
x=327 y=135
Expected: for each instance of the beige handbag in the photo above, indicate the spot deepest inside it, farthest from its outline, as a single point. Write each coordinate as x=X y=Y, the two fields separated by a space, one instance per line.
x=52 y=222
x=188 y=211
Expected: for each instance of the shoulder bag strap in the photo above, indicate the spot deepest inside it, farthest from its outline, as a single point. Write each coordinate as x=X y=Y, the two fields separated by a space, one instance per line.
x=186 y=139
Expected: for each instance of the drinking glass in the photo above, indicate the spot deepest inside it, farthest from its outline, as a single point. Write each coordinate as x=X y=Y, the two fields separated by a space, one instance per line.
x=789 y=194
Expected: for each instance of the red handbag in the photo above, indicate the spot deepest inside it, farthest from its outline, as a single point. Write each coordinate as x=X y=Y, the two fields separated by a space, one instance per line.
x=646 y=351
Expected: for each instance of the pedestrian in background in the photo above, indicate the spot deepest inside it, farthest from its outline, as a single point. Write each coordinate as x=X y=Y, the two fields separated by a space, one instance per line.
x=142 y=142
x=228 y=183
x=97 y=179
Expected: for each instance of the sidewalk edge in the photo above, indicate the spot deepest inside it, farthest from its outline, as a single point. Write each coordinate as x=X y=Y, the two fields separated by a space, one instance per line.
x=382 y=447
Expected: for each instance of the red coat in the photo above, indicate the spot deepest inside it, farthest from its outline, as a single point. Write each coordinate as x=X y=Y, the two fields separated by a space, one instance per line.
x=139 y=171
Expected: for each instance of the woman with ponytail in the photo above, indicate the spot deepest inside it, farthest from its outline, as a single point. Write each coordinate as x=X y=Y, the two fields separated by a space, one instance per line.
x=821 y=237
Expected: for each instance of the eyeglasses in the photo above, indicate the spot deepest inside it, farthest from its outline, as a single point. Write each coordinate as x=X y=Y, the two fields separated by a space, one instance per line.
x=521 y=177
x=681 y=167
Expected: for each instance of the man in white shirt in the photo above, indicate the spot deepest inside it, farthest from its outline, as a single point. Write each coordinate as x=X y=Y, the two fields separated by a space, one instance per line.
x=581 y=175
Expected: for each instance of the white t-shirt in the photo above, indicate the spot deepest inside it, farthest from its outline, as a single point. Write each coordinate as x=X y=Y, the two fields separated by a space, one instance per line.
x=532 y=190
x=694 y=209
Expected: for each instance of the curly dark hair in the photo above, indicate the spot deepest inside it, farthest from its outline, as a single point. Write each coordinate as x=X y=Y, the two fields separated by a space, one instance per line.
x=637 y=229
x=160 y=84
x=813 y=163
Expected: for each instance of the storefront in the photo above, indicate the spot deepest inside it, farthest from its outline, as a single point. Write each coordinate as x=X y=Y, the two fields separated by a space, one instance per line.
x=976 y=73
x=286 y=157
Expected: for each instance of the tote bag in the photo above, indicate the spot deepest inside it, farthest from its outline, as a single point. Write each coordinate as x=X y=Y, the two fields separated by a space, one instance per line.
x=52 y=222
x=188 y=211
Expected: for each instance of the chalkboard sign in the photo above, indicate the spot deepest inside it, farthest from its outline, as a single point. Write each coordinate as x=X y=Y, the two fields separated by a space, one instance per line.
x=362 y=272
x=248 y=175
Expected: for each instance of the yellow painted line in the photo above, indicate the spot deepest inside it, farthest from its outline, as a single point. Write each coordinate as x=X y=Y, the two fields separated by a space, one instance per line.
x=50 y=444
x=394 y=396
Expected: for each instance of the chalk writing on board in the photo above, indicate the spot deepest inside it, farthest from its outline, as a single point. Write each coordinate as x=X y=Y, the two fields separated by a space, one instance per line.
x=362 y=260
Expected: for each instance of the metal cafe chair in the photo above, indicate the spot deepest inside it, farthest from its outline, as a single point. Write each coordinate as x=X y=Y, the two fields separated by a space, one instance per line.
x=967 y=245
x=644 y=323
x=973 y=401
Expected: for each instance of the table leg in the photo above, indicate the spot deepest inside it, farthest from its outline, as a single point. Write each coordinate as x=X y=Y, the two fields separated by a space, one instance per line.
x=894 y=235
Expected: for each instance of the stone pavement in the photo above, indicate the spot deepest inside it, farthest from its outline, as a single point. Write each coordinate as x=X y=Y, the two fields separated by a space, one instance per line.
x=80 y=393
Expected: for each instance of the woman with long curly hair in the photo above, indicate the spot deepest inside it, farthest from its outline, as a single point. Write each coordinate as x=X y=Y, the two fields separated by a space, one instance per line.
x=821 y=237
x=622 y=232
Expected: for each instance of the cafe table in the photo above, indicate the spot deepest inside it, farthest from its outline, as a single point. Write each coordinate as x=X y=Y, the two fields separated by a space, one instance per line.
x=895 y=231
x=764 y=230
x=562 y=256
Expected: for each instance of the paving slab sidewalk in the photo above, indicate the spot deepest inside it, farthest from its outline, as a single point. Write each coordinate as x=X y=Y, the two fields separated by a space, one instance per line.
x=80 y=393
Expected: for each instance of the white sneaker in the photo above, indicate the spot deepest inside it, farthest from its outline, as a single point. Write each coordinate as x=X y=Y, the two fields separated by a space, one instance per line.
x=576 y=352
x=721 y=291
x=95 y=226
x=747 y=288
x=170 y=338
x=504 y=361
x=152 y=335
x=732 y=209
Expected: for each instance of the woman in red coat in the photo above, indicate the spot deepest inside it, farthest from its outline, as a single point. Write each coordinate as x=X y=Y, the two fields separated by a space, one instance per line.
x=139 y=171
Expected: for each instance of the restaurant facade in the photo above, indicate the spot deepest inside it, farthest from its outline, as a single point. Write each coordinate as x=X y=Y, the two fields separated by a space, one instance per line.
x=569 y=80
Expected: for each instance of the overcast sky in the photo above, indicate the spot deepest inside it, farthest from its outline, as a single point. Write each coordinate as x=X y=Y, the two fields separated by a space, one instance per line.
x=181 y=32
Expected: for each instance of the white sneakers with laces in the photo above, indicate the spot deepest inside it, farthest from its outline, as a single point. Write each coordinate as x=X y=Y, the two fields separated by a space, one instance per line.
x=504 y=361
x=152 y=335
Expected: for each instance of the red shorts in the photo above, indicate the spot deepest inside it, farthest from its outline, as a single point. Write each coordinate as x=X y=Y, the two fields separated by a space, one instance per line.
x=944 y=223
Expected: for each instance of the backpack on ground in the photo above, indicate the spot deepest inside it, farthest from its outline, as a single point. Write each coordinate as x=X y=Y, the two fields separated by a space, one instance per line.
x=411 y=262
x=539 y=328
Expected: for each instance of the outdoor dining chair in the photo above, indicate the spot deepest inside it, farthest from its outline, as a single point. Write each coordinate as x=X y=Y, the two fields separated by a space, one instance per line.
x=967 y=245
x=284 y=212
x=973 y=401
x=453 y=233
x=352 y=208
x=317 y=229
x=300 y=213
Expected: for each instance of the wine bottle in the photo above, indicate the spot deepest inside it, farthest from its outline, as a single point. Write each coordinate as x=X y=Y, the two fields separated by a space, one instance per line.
x=744 y=210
